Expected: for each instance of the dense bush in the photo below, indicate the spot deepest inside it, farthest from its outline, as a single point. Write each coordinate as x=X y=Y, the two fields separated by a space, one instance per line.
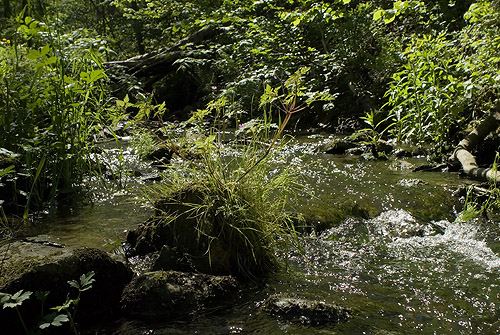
x=53 y=99
x=437 y=61
x=448 y=79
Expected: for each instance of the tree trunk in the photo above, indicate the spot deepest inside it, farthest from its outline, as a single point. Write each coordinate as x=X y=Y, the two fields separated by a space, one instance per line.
x=138 y=30
x=7 y=11
x=463 y=154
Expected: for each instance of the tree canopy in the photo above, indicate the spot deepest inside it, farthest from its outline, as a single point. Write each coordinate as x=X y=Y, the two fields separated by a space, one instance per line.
x=424 y=71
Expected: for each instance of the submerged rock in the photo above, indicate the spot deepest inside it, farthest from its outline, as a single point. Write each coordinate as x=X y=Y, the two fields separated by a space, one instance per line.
x=339 y=146
x=402 y=224
x=298 y=309
x=384 y=147
x=172 y=294
x=32 y=266
x=160 y=156
x=328 y=214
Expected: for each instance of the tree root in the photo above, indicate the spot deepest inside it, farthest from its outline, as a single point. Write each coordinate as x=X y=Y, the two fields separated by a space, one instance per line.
x=463 y=150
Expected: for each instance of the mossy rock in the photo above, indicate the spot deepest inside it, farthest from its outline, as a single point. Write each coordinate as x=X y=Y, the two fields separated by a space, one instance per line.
x=160 y=152
x=213 y=247
x=328 y=214
x=161 y=155
x=159 y=295
x=338 y=146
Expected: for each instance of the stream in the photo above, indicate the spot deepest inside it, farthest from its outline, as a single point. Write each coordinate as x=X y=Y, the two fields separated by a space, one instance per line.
x=410 y=267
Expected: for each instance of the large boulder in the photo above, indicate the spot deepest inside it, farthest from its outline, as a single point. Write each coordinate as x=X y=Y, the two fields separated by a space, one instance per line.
x=298 y=309
x=190 y=234
x=172 y=294
x=35 y=266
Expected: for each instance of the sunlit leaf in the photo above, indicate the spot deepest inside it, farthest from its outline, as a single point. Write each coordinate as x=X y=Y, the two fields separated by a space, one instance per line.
x=53 y=319
x=17 y=299
x=378 y=14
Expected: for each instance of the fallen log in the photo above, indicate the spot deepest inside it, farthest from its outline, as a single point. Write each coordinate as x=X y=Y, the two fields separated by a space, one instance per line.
x=161 y=61
x=463 y=150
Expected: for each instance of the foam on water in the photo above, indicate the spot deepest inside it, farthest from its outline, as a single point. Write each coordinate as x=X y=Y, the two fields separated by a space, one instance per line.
x=460 y=240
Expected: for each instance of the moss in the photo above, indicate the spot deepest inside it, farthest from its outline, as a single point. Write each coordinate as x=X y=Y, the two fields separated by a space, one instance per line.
x=327 y=214
x=14 y=270
x=158 y=275
x=20 y=258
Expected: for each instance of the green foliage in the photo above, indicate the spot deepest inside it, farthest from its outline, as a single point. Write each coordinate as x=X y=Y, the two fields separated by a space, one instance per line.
x=447 y=80
x=399 y=8
x=374 y=132
x=64 y=313
x=440 y=69
x=143 y=142
x=15 y=300
x=480 y=64
x=53 y=98
x=85 y=282
x=425 y=97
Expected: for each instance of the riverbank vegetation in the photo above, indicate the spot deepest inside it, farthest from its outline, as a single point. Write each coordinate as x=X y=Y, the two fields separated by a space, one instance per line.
x=420 y=72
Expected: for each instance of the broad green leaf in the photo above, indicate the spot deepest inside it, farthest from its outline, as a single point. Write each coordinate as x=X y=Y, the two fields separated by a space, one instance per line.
x=51 y=60
x=86 y=281
x=96 y=75
x=85 y=76
x=33 y=54
x=53 y=319
x=45 y=50
x=17 y=299
x=378 y=14
x=390 y=18
x=4 y=297
x=74 y=283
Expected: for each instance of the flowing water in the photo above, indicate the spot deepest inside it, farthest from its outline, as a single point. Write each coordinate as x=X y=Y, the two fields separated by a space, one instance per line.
x=409 y=268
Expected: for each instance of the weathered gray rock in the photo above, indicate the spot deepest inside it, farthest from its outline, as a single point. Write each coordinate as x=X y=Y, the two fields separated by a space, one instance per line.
x=298 y=309
x=172 y=294
x=34 y=266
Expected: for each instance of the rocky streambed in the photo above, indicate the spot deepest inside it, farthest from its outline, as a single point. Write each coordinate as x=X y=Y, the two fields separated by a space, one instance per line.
x=386 y=253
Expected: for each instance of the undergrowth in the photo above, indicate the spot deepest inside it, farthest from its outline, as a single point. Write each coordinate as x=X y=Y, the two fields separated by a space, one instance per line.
x=243 y=203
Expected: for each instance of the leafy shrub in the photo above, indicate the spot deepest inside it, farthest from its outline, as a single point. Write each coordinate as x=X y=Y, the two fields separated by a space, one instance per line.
x=448 y=79
x=53 y=100
x=425 y=97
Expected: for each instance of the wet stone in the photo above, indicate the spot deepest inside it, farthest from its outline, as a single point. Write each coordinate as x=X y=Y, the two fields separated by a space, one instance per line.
x=173 y=294
x=339 y=146
x=301 y=310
